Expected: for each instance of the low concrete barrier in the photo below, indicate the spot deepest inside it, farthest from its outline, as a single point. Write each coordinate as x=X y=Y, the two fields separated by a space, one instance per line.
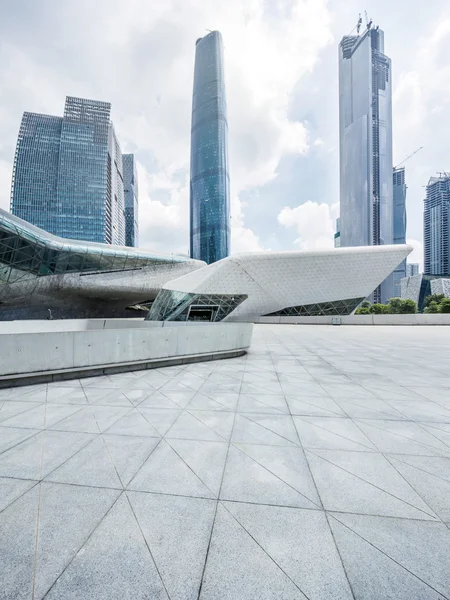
x=417 y=319
x=51 y=350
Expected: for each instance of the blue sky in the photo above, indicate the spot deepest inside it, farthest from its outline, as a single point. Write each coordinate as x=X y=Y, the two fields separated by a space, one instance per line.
x=281 y=73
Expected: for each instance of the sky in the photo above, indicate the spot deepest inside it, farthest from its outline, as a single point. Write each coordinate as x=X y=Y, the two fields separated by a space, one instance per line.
x=281 y=69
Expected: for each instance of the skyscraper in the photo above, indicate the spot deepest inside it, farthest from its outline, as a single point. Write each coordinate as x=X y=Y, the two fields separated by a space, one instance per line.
x=365 y=123
x=436 y=226
x=130 y=184
x=399 y=196
x=67 y=173
x=209 y=190
x=412 y=269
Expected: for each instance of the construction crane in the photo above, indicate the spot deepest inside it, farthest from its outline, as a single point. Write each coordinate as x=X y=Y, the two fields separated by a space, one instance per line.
x=368 y=22
x=408 y=157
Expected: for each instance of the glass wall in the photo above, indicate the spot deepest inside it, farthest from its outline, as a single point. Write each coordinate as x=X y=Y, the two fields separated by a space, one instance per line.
x=131 y=190
x=27 y=252
x=209 y=189
x=67 y=174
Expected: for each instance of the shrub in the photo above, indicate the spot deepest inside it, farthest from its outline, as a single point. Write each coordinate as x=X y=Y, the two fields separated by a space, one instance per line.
x=432 y=308
x=379 y=309
x=444 y=306
x=362 y=310
x=433 y=298
x=397 y=306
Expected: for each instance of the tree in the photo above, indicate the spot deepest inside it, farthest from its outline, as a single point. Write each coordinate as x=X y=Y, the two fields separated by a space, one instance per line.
x=433 y=298
x=444 y=306
x=378 y=309
x=408 y=307
x=362 y=310
x=397 y=306
x=394 y=306
x=432 y=308
x=364 y=304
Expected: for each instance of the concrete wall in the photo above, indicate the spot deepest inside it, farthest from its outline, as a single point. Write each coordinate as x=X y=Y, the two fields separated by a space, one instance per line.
x=417 y=319
x=53 y=345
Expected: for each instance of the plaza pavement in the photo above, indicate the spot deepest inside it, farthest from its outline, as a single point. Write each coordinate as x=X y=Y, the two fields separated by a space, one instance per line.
x=315 y=467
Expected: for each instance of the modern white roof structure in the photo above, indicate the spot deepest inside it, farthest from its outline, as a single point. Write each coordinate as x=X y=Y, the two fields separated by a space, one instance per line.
x=245 y=286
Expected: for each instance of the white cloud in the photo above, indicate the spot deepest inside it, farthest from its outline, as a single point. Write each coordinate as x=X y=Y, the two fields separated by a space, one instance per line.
x=313 y=222
x=140 y=56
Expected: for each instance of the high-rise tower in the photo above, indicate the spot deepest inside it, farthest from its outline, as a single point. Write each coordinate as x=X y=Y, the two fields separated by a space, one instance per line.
x=436 y=226
x=130 y=184
x=209 y=189
x=365 y=128
x=67 y=174
x=399 y=197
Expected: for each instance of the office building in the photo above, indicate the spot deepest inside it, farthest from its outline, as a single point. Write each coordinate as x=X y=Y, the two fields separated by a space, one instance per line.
x=131 y=193
x=412 y=269
x=436 y=226
x=399 y=198
x=365 y=122
x=67 y=173
x=337 y=235
x=210 y=182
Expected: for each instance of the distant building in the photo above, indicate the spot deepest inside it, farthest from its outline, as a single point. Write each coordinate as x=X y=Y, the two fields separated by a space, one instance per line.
x=365 y=132
x=412 y=269
x=436 y=226
x=131 y=192
x=210 y=182
x=418 y=287
x=67 y=173
x=399 y=196
x=337 y=235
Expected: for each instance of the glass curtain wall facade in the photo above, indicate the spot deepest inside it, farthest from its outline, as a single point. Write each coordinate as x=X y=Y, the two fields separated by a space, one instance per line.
x=131 y=190
x=399 y=196
x=412 y=269
x=436 y=226
x=365 y=127
x=209 y=185
x=67 y=174
x=27 y=252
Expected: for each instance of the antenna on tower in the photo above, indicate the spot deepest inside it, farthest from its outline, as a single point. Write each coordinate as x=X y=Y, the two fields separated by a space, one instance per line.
x=358 y=25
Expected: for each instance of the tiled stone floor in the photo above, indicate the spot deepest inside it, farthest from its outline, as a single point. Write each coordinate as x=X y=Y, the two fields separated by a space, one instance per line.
x=316 y=467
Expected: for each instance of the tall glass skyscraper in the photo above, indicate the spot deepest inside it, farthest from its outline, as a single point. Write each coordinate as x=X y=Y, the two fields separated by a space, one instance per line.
x=399 y=196
x=436 y=226
x=130 y=184
x=365 y=123
x=210 y=181
x=67 y=174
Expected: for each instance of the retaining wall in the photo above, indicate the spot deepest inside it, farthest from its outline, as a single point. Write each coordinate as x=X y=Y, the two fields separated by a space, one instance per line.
x=40 y=347
x=417 y=319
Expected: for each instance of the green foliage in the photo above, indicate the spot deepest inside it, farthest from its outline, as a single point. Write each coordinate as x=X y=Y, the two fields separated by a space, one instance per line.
x=362 y=310
x=397 y=306
x=379 y=309
x=432 y=308
x=364 y=304
x=433 y=298
x=444 y=306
